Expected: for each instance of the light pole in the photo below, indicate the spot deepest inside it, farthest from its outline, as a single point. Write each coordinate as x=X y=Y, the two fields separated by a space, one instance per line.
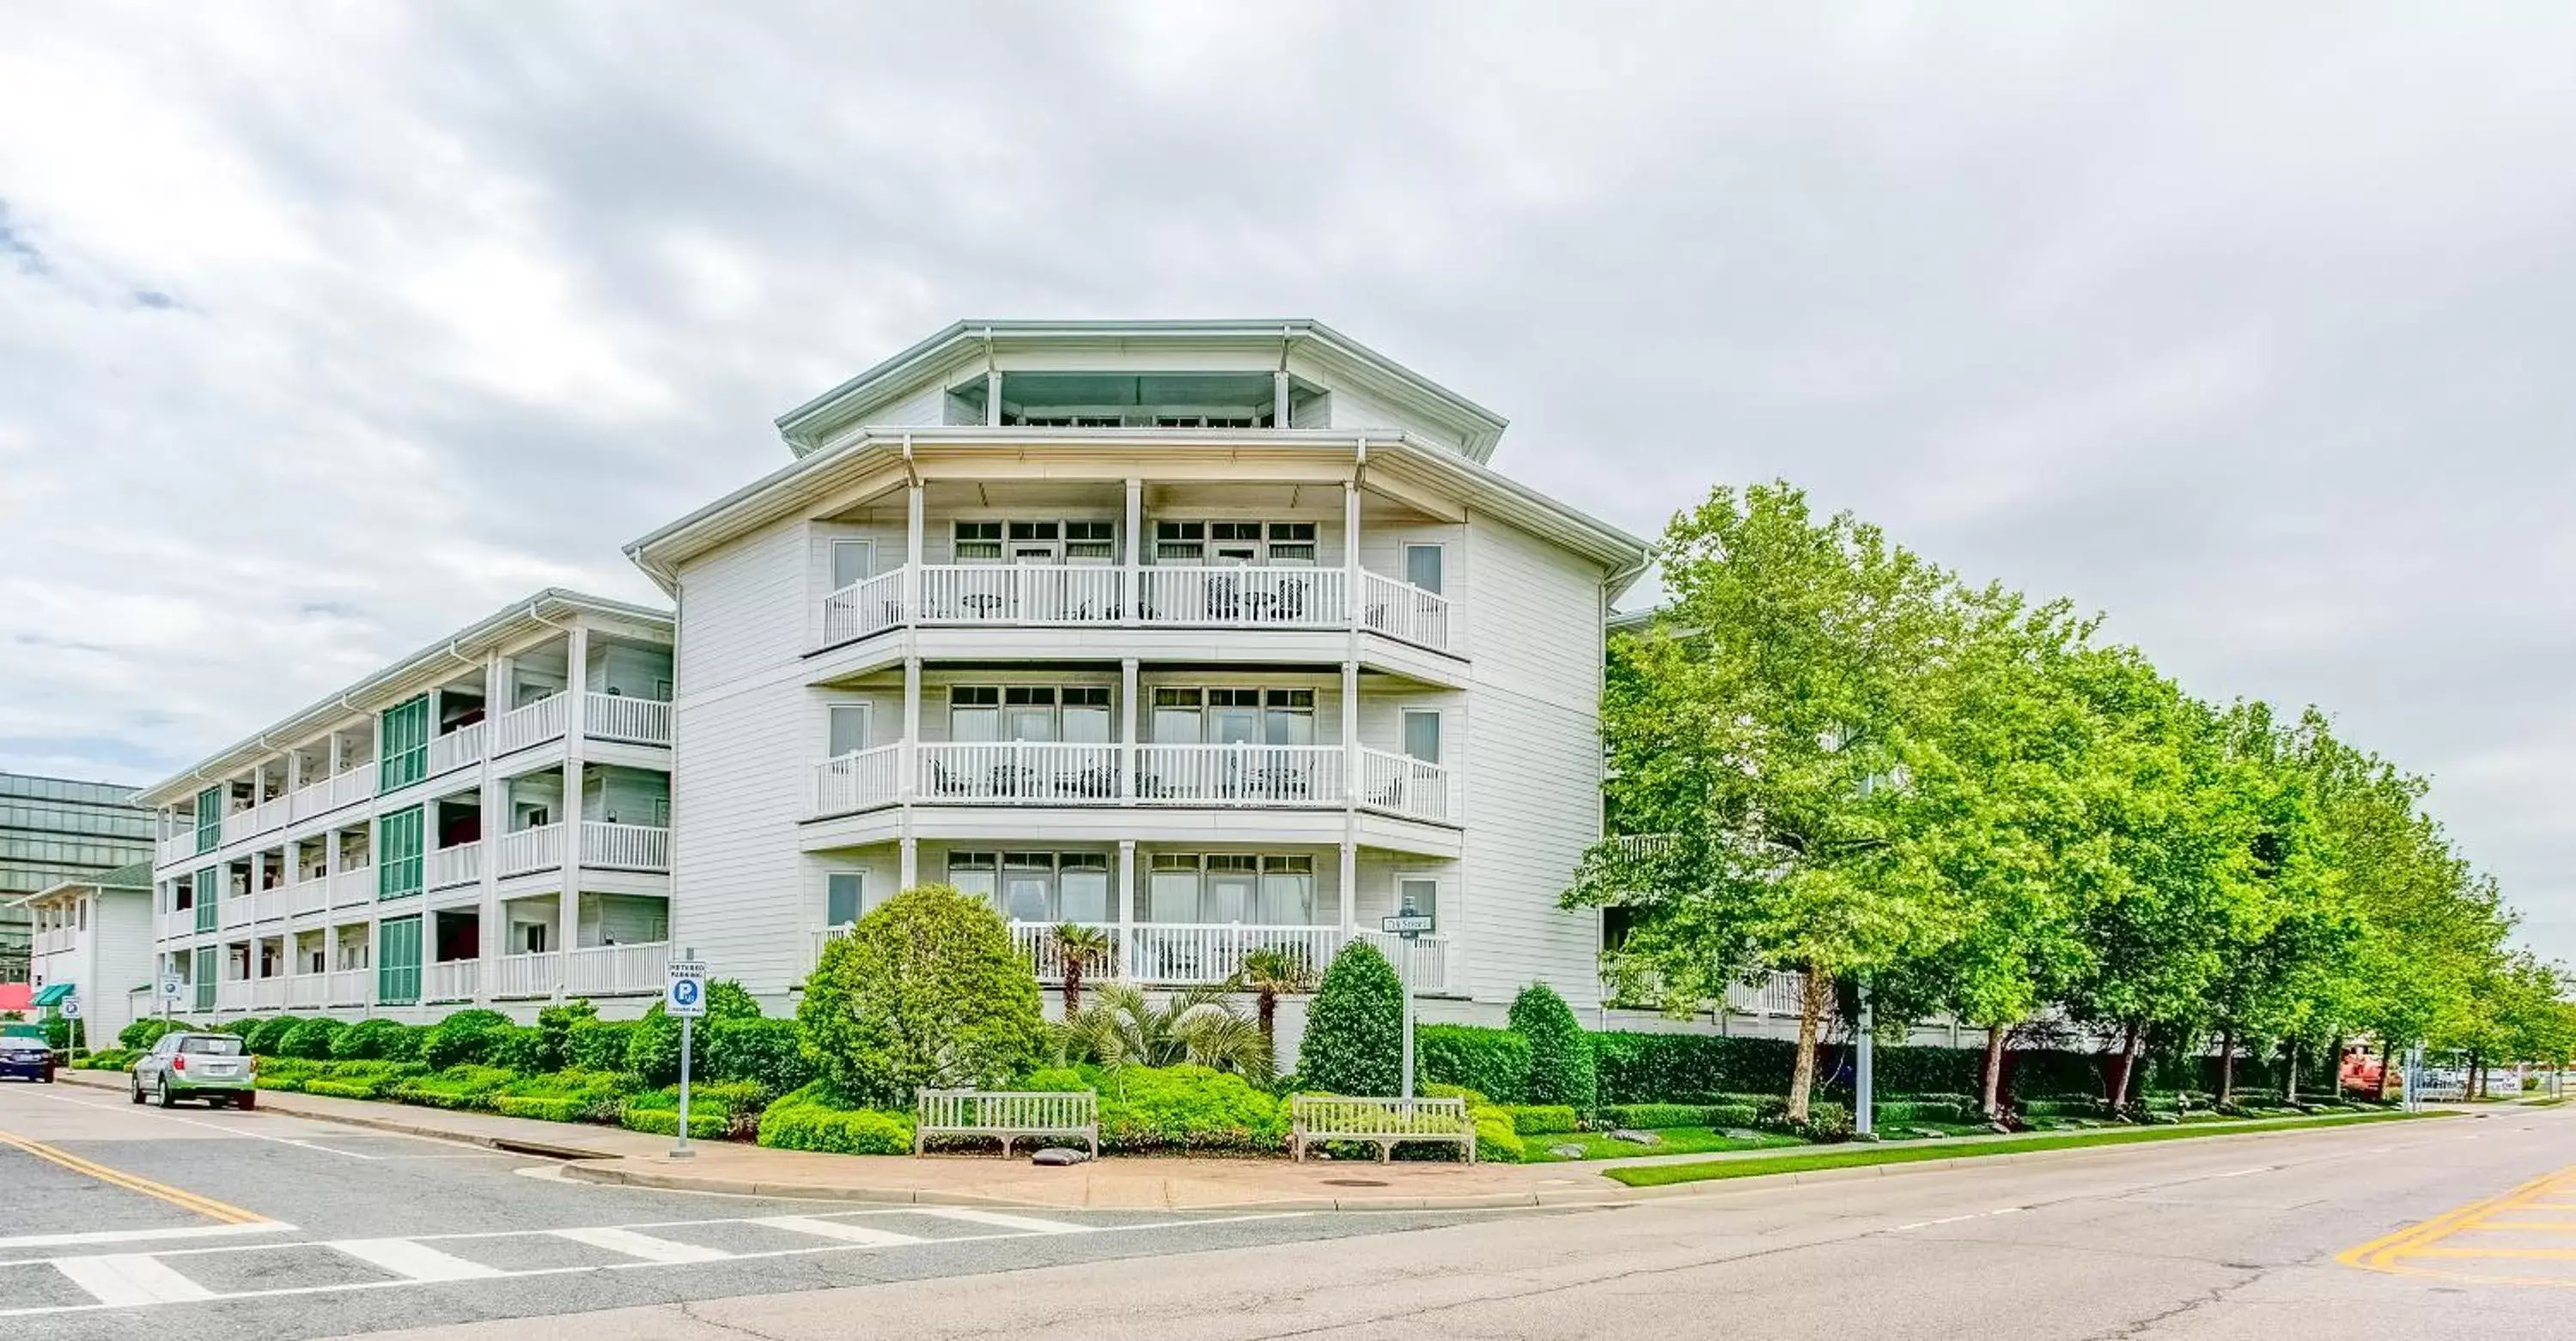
x=1407 y=924
x=1863 y=1108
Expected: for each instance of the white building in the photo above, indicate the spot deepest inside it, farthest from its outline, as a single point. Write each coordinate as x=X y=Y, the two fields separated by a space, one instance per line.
x=1213 y=635
x=485 y=821
x=93 y=943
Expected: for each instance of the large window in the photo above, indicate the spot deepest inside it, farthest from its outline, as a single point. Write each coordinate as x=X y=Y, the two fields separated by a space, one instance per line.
x=1041 y=887
x=1184 y=716
x=1079 y=714
x=1282 y=544
x=843 y=897
x=1270 y=889
x=406 y=738
x=849 y=728
x=1046 y=541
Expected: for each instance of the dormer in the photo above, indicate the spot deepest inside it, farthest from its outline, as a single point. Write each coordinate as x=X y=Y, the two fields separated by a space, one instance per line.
x=1246 y=376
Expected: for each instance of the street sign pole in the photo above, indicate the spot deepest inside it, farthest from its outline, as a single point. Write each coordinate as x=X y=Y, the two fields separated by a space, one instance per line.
x=1408 y=924
x=1862 y=1107
x=681 y=1151
x=685 y=998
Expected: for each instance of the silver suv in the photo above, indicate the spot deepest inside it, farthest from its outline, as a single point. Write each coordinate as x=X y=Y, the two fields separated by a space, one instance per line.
x=217 y=1068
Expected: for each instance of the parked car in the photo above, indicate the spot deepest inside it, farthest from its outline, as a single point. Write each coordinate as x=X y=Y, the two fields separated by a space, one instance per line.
x=217 y=1068
x=25 y=1053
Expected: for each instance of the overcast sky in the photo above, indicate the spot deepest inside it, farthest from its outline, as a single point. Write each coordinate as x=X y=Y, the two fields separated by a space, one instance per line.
x=325 y=329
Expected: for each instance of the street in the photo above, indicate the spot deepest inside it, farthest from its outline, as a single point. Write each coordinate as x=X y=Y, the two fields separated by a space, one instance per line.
x=132 y=1222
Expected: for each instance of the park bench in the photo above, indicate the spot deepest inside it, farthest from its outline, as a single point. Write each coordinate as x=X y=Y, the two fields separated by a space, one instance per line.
x=1383 y=1122
x=1007 y=1116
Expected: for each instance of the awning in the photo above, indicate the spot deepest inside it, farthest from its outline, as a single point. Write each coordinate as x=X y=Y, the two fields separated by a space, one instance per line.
x=51 y=994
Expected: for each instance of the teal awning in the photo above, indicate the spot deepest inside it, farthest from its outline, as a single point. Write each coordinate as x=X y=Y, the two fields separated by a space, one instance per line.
x=51 y=995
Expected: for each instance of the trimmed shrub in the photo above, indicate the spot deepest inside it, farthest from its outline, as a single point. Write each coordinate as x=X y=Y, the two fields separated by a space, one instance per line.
x=464 y=1038
x=598 y=1045
x=925 y=991
x=107 y=1059
x=813 y=1117
x=1928 y=1109
x=312 y=1039
x=1647 y=1116
x=716 y=1111
x=455 y=1087
x=1493 y=1062
x=554 y=1032
x=1355 y=1027
x=360 y=1079
x=1496 y=1139
x=517 y=1048
x=377 y=1040
x=242 y=1028
x=267 y=1039
x=565 y=1096
x=653 y=1050
x=1561 y=1068
x=142 y=1034
x=764 y=1052
x=1170 y=1108
x=1545 y=1120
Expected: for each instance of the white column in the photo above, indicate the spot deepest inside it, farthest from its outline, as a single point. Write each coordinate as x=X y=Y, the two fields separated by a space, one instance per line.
x=1350 y=862
x=912 y=543
x=294 y=771
x=1130 y=759
x=992 y=398
x=1126 y=904
x=338 y=756
x=1279 y=399
x=496 y=822
x=908 y=857
x=1354 y=595
x=576 y=685
x=909 y=785
x=1132 y=608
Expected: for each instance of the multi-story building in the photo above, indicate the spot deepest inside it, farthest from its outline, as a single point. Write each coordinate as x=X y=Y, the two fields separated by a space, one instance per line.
x=93 y=944
x=1210 y=635
x=53 y=830
x=485 y=821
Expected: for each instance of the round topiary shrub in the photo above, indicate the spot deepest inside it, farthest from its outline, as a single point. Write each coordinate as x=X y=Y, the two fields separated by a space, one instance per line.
x=554 y=1032
x=312 y=1039
x=270 y=1036
x=925 y=991
x=653 y=1050
x=1355 y=1028
x=1561 y=1067
x=377 y=1040
x=467 y=1036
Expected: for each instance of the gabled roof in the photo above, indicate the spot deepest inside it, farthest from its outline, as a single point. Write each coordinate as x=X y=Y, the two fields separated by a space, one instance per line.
x=967 y=344
x=136 y=878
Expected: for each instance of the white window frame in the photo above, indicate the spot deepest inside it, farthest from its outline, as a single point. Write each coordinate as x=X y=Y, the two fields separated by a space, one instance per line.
x=859 y=904
x=867 y=563
x=1406 y=554
x=867 y=724
x=1439 y=735
x=1420 y=876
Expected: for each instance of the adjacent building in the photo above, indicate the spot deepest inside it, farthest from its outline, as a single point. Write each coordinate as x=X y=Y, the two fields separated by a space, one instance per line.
x=93 y=946
x=53 y=830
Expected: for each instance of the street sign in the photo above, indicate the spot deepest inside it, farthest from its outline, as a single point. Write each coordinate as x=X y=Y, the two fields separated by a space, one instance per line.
x=171 y=987
x=686 y=996
x=1407 y=925
x=68 y=1007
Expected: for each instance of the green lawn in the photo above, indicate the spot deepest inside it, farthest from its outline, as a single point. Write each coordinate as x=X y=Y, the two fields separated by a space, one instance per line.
x=1846 y=1157
x=1677 y=1141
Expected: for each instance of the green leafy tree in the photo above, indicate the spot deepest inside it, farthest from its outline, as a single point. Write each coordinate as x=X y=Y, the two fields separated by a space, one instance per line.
x=1079 y=949
x=1355 y=1028
x=1562 y=1069
x=1270 y=973
x=925 y=991
x=653 y=1049
x=1125 y=1027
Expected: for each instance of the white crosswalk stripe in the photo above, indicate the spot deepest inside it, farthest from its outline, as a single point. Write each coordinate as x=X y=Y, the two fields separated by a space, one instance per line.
x=841 y=1230
x=1029 y=1224
x=123 y=1279
x=642 y=1246
x=407 y=1257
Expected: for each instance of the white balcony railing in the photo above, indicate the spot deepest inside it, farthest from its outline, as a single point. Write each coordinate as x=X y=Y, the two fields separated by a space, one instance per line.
x=352 y=987
x=268 y=993
x=1254 y=775
x=235 y=910
x=178 y=922
x=308 y=991
x=528 y=850
x=1022 y=772
x=456 y=749
x=637 y=721
x=608 y=970
x=1243 y=597
x=178 y=847
x=1197 y=953
x=353 y=784
x=449 y=981
x=858 y=781
x=309 y=800
x=56 y=940
x=1020 y=594
x=236 y=827
x=324 y=795
x=1168 y=595
x=1413 y=788
x=531 y=724
x=453 y=866
x=625 y=847
x=271 y=814
x=269 y=905
x=523 y=976
x=232 y=994
x=308 y=896
x=353 y=887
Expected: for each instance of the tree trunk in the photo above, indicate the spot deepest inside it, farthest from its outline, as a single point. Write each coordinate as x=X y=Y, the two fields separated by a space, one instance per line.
x=1996 y=1037
x=1811 y=1013
x=1266 y=1007
x=2387 y=1057
x=2290 y=1071
x=2116 y=1079
x=2136 y=1080
x=2226 y=1066
x=1072 y=985
x=2334 y=1068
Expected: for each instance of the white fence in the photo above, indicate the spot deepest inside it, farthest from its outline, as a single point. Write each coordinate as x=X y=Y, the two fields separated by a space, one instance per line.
x=1403 y=611
x=456 y=749
x=450 y=981
x=1020 y=594
x=1262 y=775
x=268 y=993
x=1193 y=953
x=1244 y=597
x=1168 y=595
x=1056 y=773
x=353 y=887
x=531 y=724
x=269 y=905
x=452 y=866
x=308 y=991
x=535 y=849
x=638 y=721
x=1043 y=772
x=1404 y=785
x=628 y=847
x=308 y=896
x=611 y=970
x=859 y=780
x=867 y=606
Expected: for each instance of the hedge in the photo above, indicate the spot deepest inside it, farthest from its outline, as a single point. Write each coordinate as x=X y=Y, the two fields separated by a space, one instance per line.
x=1354 y=1025
x=1174 y=1107
x=814 y=1118
x=1492 y=1062
x=312 y=1039
x=768 y=1053
x=1668 y=1068
x=1545 y=1119
x=1562 y=1069
x=1498 y=1138
x=466 y=1037
x=377 y=1040
x=455 y=1087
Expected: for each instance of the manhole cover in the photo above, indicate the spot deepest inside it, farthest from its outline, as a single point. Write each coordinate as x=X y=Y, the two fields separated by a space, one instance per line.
x=1353 y=1182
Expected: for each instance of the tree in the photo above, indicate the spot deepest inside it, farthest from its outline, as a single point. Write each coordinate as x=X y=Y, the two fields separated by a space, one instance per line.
x=653 y=1049
x=926 y=991
x=1270 y=973
x=1562 y=1069
x=1355 y=1029
x=1077 y=948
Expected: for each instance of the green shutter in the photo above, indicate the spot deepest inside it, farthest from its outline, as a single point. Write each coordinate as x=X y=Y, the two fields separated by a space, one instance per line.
x=404 y=732
x=206 y=886
x=398 y=961
x=210 y=818
x=398 y=853
x=205 y=976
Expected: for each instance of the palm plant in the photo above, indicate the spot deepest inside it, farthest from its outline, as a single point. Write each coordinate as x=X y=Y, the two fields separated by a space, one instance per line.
x=1125 y=1027
x=1078 y=947
x=1270 y=973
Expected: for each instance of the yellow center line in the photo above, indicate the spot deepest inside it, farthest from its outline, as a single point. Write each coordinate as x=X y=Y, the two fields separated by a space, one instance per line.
x=2529 y=1254
x=179 y=1197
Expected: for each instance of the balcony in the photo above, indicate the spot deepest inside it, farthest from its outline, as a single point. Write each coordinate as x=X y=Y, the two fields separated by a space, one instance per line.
x=602 y=970
x=636 y=721
x=346 y=788
x=531 y=850
x=178 y=847
x=56 y=940
x=622 y=847
x=449 y=867
x=308 y=991
x=233 y=994
x=450 y=981
x=456 y=749
x=236 y=910
x=269 y=905
x=1165 y=596
x=308 y=896
x=354 y=887
x=531 y=724
x=1045 y=773
x=268 y=993
x=178 y=922
x=1187 y=954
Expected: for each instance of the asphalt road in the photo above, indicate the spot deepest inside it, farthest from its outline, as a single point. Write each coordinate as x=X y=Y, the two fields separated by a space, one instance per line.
x=2228 y=1240
x=118 y=1221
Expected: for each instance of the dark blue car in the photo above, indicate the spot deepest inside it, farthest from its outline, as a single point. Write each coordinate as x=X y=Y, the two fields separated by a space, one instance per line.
x=25 y=1054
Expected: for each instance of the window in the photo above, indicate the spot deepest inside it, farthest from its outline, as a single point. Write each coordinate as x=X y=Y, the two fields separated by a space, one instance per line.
x=1292 y=543
x=978 y=542
x=1082 y=888
x=1038 y=887
x=843 y=893
x=1288 y=717
x=1422 y=565
x=852 y=561
x=1029 y=712
x=974 y=713
x=1232 y=881
x=1086 y=715
x=210 y=1045
x=1176 y=716
x=973 y=873
x=1028 y=886
x=1234 y=542
x=1036 y=542
x=1234 y=716
x=1287 y=891
x=1090 y=542
x=398 y=837
x=398 y=960
x=405 y=732
x=1172 y=888
x=532 y=938
x=1180 y=542
x=849 y=728
x=1421 y=894
x=1422 y=734
x=533 y=817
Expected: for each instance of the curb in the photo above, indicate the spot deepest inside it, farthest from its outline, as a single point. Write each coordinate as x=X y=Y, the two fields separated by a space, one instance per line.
x=623 y=1174
x=268 y=1101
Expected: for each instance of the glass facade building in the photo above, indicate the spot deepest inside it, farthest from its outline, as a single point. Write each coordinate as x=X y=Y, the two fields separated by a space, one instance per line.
x=57 y=829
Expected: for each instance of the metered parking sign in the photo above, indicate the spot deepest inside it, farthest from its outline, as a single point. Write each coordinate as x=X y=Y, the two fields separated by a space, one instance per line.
x=170 y=986
x=687 y=994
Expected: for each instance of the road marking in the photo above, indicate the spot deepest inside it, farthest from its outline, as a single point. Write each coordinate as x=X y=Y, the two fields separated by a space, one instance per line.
x=128 y=1279
x=186 y=1200
x=2239 y=1173
x=998 y=1220
x=836 y=1229
x=642 y=1246
x=2394 y=1252
x=419 y=1261
x=83 y=1238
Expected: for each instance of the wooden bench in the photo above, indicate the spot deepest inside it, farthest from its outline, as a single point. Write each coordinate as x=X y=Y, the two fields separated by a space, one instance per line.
x=1320 y=1117
x=1006 y=1116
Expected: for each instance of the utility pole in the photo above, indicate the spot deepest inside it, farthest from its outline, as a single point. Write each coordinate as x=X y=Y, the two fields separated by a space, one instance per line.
x=1863 y=1107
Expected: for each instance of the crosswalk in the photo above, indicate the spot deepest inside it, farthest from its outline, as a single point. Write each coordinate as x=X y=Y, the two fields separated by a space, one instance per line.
x=189 y=1273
